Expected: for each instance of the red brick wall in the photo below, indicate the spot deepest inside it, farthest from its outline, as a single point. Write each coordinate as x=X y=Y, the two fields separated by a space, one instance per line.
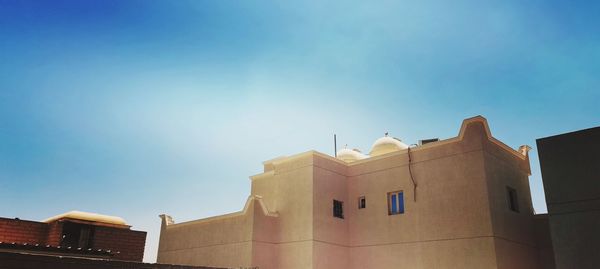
x=22 y=231
x=54 y=233
x=129 y=243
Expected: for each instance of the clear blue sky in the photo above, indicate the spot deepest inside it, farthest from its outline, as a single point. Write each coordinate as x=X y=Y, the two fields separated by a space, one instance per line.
x=136 y=108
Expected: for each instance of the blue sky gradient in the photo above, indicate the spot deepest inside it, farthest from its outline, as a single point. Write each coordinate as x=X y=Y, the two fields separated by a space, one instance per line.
x=137 y=108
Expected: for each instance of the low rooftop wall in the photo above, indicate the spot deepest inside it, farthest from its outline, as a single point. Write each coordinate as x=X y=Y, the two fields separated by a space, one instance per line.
x=32 y=261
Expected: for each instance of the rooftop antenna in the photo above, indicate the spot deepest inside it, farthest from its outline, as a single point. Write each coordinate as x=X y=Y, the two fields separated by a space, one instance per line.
x=334 y=145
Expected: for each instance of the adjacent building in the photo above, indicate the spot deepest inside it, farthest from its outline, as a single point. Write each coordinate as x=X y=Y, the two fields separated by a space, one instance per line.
x=570 y=165
x=74 y=234
x=463 y=202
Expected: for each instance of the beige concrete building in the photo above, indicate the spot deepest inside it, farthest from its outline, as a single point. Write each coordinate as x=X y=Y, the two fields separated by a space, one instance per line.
x=463 y=202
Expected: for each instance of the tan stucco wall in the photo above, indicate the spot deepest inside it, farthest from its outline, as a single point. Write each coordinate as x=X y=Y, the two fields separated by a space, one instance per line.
x=222 y=242
x=248 y=238
x=288 y=190
x=451 y=213
x=459 y=220
x=514 y=235
x=327 y=255
x=515 y=255
x=460 y=253
x=330 y=248
x=330 y=186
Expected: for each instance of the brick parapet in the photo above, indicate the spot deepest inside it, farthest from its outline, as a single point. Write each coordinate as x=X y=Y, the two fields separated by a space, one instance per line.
x=129 y=243
x=22 y=231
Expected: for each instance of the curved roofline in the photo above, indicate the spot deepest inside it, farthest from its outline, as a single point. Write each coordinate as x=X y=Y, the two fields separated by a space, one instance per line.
x=243 y=212
x=488 y=133
x=461 y=134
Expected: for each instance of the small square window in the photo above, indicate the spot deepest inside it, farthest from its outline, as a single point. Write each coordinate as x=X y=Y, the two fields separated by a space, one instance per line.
x=395 y=203
x=338 y=209
x=362 y=202
x=512 y=199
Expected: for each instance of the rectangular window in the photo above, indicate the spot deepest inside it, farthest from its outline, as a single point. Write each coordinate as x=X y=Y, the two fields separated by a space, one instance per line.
x=395 y=203
x=338 y=209
x=362 y=202
x=512 y=199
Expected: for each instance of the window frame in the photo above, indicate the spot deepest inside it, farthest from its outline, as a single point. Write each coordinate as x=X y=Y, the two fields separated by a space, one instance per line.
x=341 y=209
x=512 y=199
x=399 y=205
x=362 y=202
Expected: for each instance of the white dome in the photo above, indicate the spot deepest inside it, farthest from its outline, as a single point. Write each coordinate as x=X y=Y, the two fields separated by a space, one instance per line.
x=350 y=155
x=385 y=145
